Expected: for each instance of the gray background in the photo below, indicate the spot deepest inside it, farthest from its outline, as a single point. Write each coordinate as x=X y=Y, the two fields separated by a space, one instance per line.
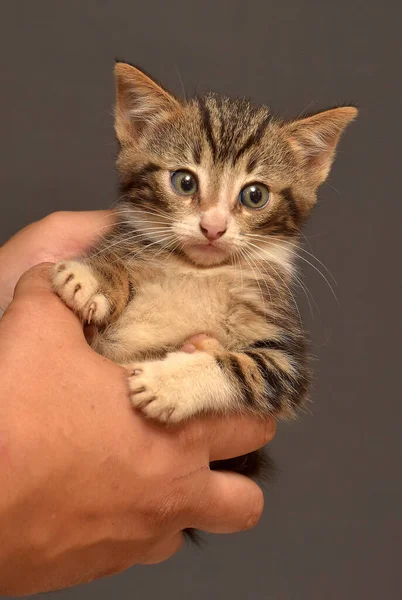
x=332 y=524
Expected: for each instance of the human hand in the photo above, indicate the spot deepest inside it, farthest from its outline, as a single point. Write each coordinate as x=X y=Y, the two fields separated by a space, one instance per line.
x=58 y=236
x=89 y=487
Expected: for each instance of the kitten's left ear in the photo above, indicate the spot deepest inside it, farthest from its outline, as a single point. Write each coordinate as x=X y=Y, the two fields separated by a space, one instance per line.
x=140 y=101
x=314 y=139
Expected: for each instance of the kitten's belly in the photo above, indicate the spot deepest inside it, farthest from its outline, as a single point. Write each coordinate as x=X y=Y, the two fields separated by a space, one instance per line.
x=163 y=315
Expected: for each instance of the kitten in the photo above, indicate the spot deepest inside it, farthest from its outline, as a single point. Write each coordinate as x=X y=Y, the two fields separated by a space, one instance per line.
x=213 y=194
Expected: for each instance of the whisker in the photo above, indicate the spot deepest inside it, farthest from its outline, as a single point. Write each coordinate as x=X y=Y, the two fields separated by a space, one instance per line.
x=295 y=248
x=154 y=211
x=127 y=237
x=131 y=255
x=182 y=225
x=305 y=238
x=172 y=240
x=323 y=276
x=281 y=279
x=272 y=280
x=116 y=224
x=235 y=260
x=307 y=293
x=251 y=262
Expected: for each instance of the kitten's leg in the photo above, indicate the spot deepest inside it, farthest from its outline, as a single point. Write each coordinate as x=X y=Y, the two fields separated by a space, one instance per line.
x=267 y=378
x=94 y=288
x=179 y=386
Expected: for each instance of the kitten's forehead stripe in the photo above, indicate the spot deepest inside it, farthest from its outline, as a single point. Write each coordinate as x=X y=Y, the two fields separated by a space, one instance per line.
x=254 y=138
x=227 y=125
x=230 y=127
x=251 y=165
x=219 y=104
x=206 y=121
x=197 y=153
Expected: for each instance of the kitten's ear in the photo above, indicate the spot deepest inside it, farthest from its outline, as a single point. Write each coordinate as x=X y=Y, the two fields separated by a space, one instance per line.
x=314 y=139
x=139 y=102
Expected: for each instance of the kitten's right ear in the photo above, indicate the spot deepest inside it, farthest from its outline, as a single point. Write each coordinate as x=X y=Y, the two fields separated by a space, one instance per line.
x=139 y=102
x=314 y=139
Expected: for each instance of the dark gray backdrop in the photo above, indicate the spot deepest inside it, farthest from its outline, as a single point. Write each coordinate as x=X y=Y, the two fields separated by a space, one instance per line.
x=332 y=524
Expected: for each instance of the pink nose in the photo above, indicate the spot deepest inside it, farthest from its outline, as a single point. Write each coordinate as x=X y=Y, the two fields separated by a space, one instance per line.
x=213 y=232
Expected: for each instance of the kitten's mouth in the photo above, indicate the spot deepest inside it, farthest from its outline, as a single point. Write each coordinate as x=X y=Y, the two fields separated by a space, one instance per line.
x=207 y=253
x=208 y=247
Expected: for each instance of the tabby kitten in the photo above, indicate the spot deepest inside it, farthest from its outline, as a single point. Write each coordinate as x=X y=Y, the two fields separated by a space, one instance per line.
x=213 y=194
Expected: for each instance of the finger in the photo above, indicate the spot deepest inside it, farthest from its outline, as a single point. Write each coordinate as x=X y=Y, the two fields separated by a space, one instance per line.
x=229 y=503
x=189 y=348
x=35 y=305
x=74 y=233
x=202 y=342
x=190 y=345
x=228 y=437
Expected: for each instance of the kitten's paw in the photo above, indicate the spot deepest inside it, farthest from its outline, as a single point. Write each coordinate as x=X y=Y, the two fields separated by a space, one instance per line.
x=76 y=285
x=158 y=389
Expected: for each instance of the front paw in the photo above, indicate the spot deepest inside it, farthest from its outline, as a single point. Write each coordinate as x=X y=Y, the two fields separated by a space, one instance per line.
x=158 y=389
x=76 y=285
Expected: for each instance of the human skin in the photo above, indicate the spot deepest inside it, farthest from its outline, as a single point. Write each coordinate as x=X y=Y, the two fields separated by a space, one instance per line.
x=58 y=236
x=89 y=487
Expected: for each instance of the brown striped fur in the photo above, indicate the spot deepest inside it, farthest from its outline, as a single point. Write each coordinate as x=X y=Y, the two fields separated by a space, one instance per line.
x=151 y=283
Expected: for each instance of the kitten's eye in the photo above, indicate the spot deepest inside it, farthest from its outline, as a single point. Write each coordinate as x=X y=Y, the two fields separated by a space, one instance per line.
x=184 y=183
x=255 y=195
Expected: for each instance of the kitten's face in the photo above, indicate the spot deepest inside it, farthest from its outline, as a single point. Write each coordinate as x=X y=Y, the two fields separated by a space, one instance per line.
x=215 y=179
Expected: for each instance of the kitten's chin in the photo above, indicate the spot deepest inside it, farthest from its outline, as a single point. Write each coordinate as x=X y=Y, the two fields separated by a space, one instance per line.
x=206 y=255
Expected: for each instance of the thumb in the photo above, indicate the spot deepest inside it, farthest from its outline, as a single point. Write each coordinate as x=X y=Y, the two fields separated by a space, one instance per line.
x=230 y=502
x=36 y=305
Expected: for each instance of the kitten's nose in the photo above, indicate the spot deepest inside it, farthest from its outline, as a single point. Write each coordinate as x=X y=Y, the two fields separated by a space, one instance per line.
x=213 y=224
x=213 y=232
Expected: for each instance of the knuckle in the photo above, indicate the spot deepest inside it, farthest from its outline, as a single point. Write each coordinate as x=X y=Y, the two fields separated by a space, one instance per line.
x=55 y=220
x=269 y=431
x=35 y=281
x=255 y=510
x=40 y=272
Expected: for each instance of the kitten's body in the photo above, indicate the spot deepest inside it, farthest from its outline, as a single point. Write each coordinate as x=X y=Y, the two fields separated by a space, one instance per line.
x=174 y=302
x=163 y=301
x=154 y=282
